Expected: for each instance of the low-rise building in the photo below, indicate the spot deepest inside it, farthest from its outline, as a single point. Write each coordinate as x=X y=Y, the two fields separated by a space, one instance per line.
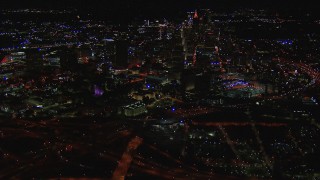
x=133 y=109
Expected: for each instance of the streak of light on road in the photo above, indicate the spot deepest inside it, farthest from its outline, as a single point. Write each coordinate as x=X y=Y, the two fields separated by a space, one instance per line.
x=126 y=159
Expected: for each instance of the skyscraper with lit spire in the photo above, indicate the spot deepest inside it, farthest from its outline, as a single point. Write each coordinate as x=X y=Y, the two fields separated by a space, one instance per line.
x=196 y=20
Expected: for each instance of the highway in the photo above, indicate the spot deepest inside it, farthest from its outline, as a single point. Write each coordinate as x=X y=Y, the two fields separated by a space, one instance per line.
x=126 y=159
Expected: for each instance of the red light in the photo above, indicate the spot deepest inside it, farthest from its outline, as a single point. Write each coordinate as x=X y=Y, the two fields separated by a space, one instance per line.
x=69 y=148
x=5 y=59
x=195 y=15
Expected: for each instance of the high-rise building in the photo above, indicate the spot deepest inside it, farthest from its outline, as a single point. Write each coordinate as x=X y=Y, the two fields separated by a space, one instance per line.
x=202 y=84
x=68 y=59
x=187 y=80
x=204 y=56
x=121 y=59
x=196 y=20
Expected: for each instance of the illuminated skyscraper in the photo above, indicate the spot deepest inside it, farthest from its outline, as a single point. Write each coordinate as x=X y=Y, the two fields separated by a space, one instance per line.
x=196 y=20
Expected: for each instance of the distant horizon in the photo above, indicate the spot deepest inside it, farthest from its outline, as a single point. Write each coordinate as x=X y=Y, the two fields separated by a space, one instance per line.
x=126 y=10
x=106 y=4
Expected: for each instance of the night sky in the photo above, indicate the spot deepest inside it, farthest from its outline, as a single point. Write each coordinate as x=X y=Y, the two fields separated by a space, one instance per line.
x=124 y=9
x=170 y=4
x=157 y=6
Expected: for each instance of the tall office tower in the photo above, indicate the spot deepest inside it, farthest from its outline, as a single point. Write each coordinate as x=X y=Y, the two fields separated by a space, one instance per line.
x=68 y=59
x=196 y=20
x=204 y=56
x=187 y=79
x=202 y=84
x=121 y=59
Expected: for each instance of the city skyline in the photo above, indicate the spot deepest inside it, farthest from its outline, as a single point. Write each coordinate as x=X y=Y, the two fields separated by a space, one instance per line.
x=124 y=11
x=143 y=89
